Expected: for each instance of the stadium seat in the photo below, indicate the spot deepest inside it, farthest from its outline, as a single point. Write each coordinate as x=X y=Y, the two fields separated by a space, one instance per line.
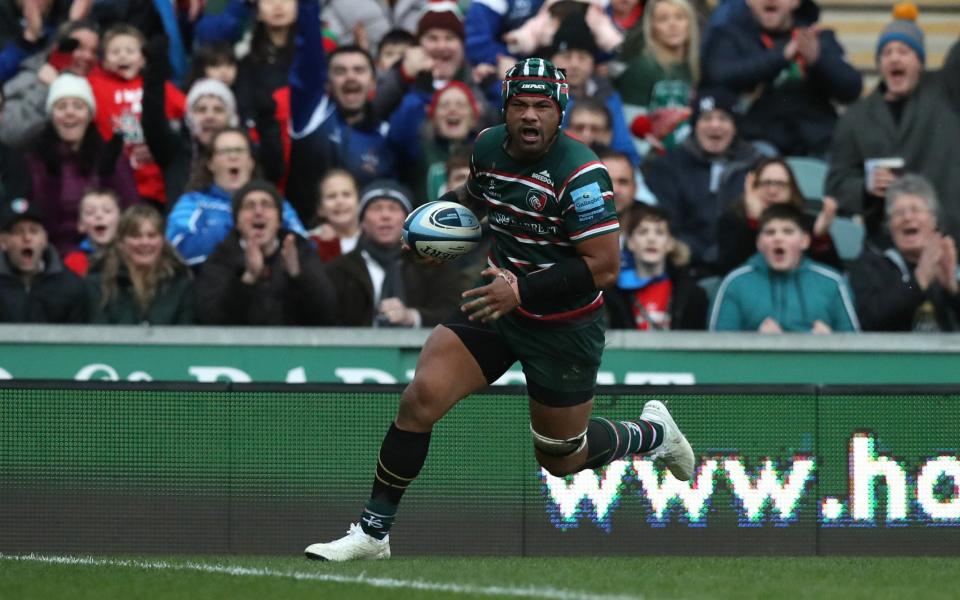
x=811 y=174
x=710 y=285
x=847 y=235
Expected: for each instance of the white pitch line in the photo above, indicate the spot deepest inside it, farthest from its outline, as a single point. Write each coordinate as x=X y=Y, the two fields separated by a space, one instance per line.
x=379 y=582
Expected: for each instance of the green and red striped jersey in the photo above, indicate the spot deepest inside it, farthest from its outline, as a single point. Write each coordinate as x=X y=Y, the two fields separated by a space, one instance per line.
x=539 y=211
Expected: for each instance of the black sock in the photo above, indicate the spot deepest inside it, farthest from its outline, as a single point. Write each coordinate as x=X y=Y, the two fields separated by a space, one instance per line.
x=402 y=455
x=608 y=440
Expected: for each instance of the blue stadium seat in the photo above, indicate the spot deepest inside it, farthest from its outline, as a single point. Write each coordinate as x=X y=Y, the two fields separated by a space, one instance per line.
x=847 y=235
x=811 y=174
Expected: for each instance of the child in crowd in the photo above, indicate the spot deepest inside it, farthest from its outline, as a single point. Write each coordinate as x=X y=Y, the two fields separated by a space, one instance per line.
x=654 y=291
x=118 y=89
x=213 y=61
x=392 y=47
x=141 y=278
x=338 y=212
x=97 y=221
x=779 y=289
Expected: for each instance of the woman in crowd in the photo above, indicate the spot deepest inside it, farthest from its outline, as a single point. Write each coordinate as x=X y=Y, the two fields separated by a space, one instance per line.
x=771 y=181
x=70 y=157
x=452 y=116
x=140 y=278
x=658 y=78
x=338 y=215
x=24 y=106
x=203 y=217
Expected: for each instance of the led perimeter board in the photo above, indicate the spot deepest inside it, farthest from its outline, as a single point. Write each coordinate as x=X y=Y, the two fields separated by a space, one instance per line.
x=267 y=469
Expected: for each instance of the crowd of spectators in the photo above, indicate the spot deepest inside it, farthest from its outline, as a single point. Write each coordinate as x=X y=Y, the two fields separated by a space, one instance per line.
x=166 y=162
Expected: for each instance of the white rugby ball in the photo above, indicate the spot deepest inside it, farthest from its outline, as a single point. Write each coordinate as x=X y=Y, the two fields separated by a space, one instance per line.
x=441 y=230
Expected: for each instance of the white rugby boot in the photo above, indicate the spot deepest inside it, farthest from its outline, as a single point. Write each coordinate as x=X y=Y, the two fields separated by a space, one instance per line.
x=356 y=545
x=674 y=450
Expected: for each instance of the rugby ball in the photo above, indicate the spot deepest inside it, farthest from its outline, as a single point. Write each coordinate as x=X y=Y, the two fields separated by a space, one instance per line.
x=441 y=230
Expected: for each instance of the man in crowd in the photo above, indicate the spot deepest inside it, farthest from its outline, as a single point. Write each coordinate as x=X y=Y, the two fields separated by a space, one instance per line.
x=35 y=287
x=909 y=123
x=789 y=70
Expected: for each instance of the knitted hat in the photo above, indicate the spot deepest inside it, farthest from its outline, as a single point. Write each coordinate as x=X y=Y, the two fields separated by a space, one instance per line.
x=441 y=14
x=573 y=34
x=257 y=185
x=69 y=85
x=432 y=107
x=904 y=29
x=714 y=98
x=18 y=209
x=215 y=88
x=537 y=77
x=384 y=189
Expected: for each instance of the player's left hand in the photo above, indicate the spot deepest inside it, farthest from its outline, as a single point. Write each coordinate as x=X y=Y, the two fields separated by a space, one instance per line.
x=492 y=301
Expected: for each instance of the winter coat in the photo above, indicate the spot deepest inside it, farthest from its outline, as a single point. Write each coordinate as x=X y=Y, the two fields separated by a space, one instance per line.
x=24 y=105
x=601 y=89
x=695 y=188
x=433 y=291
x=926 y=138
x=794 y=299
x=173 y=303
x=321 y=136
x=200 y=220
x=688 y=304
x=276 y=299
x=794 y=111
x=59 y=195
x=55 y=295
x=888 y=295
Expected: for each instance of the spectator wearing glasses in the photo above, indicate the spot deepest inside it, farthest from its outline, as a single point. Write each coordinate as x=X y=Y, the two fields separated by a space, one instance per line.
x=203 y=217
x=913 y=285
x=771 y=182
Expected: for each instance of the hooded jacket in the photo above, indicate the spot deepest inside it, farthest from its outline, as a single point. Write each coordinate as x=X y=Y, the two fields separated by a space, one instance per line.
x=172 y=302
x=794 y=111
x=55 y=295
x=794 y=299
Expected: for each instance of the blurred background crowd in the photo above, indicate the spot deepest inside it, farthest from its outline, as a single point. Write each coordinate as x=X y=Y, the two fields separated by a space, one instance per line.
x=251 y=162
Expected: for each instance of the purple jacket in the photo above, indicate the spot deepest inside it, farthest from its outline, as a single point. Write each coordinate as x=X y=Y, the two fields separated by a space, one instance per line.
x=59 y=195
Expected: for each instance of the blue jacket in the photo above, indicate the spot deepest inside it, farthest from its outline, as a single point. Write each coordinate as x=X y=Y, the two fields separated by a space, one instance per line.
x=487 y=20
x=321 y=137
x=226 y=26
x=794 y=111
x=794 y=299
x=200 y=220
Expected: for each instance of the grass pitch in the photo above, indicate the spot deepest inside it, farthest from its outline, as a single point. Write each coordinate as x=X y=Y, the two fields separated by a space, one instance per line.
x=238 y=578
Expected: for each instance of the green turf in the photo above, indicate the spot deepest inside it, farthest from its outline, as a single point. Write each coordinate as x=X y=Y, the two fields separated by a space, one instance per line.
x=648 y=578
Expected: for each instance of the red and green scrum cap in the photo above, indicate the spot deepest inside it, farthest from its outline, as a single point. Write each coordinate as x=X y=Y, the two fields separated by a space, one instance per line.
x=536 y=77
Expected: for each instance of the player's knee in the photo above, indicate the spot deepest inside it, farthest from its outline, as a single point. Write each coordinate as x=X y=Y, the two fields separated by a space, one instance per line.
x=559 y=456
x=419 y=406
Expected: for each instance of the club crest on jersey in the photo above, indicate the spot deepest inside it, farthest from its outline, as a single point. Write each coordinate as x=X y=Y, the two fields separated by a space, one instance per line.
x=536 y=200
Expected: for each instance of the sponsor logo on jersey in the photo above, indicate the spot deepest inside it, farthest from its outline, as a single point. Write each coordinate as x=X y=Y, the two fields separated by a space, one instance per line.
x=536 y=200
x=588 y=202
x=543 y=176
